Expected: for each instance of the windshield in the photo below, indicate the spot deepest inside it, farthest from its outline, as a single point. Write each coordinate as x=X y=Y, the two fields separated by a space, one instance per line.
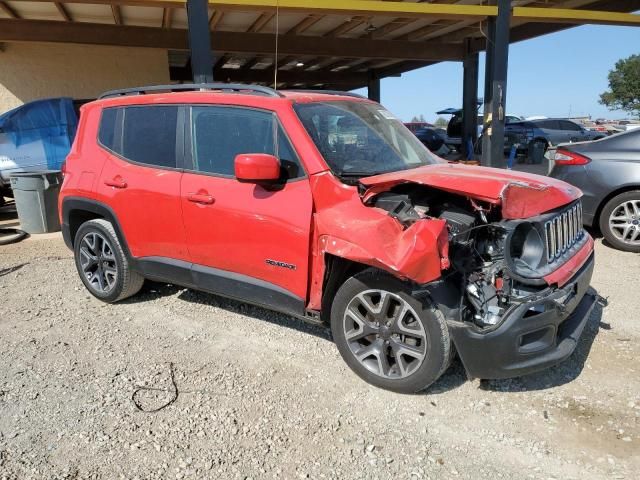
x=359 y=139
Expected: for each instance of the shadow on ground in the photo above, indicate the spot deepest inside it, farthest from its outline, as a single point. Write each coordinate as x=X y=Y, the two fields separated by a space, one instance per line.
x=153 y=290
x=454 y=377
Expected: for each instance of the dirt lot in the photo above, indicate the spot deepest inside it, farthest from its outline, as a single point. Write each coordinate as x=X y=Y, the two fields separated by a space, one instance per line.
x=261 y=395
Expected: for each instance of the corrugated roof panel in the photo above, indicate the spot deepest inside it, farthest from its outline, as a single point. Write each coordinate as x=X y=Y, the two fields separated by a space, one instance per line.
x=179 y=19
x=84 y=12
x=142 y=16
x=35 y=10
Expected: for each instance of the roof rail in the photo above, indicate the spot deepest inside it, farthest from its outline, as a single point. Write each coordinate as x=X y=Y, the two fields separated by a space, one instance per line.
x=225 y=87
x=329 y=92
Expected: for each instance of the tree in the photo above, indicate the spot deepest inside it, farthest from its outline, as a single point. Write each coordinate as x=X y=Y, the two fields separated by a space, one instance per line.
x=441 y=122
x=624 y=86
x=419 y=119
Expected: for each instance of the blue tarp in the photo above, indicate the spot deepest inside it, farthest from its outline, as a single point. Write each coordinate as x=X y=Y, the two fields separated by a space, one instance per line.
x=53 y=121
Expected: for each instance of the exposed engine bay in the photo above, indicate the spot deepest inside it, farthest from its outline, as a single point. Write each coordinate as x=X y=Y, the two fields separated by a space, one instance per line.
x=494 y=264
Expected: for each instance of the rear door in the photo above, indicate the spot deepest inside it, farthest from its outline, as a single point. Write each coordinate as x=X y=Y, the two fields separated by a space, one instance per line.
x=553 y=131
x=246 y=240
x=574 y=132
x=140 y=179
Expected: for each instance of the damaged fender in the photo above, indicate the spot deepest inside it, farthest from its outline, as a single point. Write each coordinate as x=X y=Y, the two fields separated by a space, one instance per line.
x=353 y=231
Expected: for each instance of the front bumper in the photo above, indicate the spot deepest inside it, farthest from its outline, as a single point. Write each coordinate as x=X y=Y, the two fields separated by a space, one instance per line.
x=533 y=336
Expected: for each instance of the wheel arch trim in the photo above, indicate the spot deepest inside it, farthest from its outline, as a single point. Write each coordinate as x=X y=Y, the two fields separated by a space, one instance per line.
x=80 y=204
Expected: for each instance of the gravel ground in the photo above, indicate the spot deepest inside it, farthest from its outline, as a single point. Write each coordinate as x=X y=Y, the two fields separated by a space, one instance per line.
x=261 y=395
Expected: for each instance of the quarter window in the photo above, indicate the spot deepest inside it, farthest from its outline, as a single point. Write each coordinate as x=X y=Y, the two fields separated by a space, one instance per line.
x=219 y=134
x=107 y=130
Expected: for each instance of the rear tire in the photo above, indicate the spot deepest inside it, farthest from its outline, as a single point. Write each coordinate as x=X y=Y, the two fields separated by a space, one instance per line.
x=387 y=337
x=102 y=264
x=620 y=221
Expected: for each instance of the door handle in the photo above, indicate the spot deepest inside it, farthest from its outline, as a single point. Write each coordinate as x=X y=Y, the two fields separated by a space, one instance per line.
x=116 y=182
x=201 y=198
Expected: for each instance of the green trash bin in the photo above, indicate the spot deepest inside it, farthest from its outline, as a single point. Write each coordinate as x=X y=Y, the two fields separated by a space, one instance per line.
x=36 y=196
x=536 y=152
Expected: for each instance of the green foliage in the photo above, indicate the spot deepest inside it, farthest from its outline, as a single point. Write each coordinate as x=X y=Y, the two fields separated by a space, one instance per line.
x=624 y=86
x=441 y=122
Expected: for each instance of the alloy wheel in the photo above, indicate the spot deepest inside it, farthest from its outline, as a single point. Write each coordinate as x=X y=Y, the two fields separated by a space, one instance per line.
x=385 y=334
x=98 y=262
x=624 y=222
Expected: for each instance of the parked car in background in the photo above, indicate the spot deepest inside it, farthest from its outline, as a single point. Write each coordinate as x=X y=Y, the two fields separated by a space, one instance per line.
x=548 y=131
x=608 y=173
x=36 y=136
x=454 y=127
x=325 y=207
x=430 y=138
x=415 y=126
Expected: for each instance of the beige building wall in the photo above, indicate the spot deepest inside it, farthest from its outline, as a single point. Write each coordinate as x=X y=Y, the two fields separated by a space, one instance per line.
x=29 y=71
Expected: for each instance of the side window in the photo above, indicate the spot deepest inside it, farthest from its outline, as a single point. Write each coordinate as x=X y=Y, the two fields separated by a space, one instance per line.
x=149 y=135
x=219 y=134
x=549 y=124
x=567 y=125
x=107 y=129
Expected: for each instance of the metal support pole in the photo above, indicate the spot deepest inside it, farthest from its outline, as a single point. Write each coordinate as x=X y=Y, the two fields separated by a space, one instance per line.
x=499 y=85
x=488 y=90
x=200 y=41
x=373 y=86
x=469 y=99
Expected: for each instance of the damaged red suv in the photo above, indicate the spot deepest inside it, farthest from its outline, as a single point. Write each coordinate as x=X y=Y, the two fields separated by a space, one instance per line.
x=325 y=207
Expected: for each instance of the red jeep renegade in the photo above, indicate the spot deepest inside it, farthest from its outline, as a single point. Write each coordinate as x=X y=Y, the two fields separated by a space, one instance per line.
x=323 y=206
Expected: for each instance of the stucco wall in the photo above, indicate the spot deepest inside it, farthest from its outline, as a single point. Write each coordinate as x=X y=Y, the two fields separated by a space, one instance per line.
x=35 y=70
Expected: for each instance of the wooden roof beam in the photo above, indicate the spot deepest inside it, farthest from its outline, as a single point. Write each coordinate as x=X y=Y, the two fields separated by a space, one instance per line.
x=167 y=17
x=117 y=15
x=230 y=42
x=304 y=25
x=261 y=22
x=8 y=10
x=216 y=18
x=346 y=27
x=64 y=13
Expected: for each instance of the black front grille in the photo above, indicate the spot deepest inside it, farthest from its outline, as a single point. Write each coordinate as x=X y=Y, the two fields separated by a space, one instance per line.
x=563 y=231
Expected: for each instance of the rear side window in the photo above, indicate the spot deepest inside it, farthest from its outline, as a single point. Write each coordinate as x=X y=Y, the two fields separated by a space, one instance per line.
x=549 y=124
x=221 y=133
x=149 y=135
x=144 y=135
x=107 y=130
x=567 y=125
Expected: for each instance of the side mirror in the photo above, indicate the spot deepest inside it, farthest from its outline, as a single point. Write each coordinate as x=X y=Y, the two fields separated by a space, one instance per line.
x=257 y=168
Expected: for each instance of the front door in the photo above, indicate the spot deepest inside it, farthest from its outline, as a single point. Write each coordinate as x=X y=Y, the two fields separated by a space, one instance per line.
x=246 y=240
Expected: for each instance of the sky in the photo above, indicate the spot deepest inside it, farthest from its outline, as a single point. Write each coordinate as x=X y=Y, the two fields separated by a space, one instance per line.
x=557 y=75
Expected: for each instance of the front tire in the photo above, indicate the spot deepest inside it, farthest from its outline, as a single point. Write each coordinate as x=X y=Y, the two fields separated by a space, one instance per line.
x=620 y=221
x=102 y=264
x=389 y=338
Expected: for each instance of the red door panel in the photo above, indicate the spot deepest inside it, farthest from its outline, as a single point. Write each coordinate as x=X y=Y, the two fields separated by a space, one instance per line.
x=247 y=229
x=146 y=201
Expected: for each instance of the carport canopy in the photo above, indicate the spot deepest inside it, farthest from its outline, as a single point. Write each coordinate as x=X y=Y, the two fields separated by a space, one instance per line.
x=337 y=44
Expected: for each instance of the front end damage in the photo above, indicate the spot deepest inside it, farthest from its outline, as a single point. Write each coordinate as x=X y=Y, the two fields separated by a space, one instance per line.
x=510 y=274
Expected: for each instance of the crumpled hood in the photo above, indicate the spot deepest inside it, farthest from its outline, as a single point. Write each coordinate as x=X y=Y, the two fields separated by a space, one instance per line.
x=521 y=195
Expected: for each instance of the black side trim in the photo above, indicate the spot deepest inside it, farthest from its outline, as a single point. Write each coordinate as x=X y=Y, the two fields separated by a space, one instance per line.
x=221 y=282
x=164 y=269
x=247 y=289
x=82 y=204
